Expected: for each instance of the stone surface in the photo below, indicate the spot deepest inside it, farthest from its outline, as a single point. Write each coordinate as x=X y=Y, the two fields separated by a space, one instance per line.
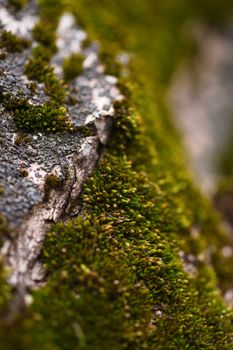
x=71 y=157
x=201 y=100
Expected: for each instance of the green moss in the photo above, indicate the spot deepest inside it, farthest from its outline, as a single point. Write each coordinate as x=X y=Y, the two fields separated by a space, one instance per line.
x=18 y=4
x=86 y=43
x=73 y=66
x=37 y=69
x=44 y=34
x=1 y=190
x=111 y=65
x=226 y=163
x=12 y=42
x=47 y=117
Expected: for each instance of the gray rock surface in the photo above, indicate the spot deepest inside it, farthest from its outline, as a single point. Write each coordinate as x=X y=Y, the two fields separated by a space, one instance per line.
x=202 y=104
x=71 y=157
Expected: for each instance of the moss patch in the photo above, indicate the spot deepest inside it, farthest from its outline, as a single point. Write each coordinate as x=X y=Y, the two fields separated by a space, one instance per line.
x=73 y=66
x=12 y=42
x=18 y=4
x=47 y=117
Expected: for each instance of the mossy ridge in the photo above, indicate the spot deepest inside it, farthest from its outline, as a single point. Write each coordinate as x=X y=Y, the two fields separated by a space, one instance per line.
x=110 y=268
x=193 y=310
x=151 y=71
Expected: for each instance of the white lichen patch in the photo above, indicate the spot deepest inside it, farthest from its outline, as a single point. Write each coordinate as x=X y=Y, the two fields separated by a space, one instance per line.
x=69 y=41
x=228 y=297
x=37 y=175
x=90 y=60
x=195 y=233
x=21 y=27
x=96 y=91
x=226 y=251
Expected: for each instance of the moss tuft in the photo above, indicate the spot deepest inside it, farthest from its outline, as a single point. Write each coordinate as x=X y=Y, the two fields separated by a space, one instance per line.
x=2 y=56
x=73 y=66
x=46 y=118
x=18 y=4
x=13 y=43
x=37 y=69
x=44 y=34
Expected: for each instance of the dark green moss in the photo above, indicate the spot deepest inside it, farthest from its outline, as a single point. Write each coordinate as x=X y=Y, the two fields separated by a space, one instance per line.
x=112 y=67
x=4 y=228
x=86 y=43
x=37 y=69
x=73 y=66
x=2 y=56
x=71 y=99
x=18 y=4
x=13 y=43
x=226 y=162
x=1 y=190
x=44 y=34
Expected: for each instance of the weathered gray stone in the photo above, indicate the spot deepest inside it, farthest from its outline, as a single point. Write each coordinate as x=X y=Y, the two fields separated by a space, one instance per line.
x=69 y=156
